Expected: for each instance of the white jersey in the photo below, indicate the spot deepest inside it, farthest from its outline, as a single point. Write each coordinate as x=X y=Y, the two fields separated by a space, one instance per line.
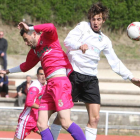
x=27 y=121
x=86 y=63
x=34 y=95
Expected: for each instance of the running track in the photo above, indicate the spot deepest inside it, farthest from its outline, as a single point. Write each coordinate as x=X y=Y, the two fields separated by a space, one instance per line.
x=7 y=134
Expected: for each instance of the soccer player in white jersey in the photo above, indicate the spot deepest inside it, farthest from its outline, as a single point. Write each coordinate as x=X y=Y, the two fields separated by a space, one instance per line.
x=27 y=121
x=84 y=44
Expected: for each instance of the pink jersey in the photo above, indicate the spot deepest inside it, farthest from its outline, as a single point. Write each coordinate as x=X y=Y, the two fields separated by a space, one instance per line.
x=34 y=95
x=48 y=51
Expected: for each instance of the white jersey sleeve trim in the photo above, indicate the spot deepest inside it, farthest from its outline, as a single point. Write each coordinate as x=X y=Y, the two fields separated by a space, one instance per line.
x=15 y=69
x=31 y=28
x=130 y=77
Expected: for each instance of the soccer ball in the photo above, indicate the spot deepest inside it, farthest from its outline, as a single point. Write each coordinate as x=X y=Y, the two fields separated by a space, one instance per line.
x=133 y=31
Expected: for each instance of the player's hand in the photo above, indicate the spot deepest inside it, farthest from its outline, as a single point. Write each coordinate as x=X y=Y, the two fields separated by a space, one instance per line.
x=19 y=94
x=136 y=81
x=84 y=48
x=24 y=26
x=4 y=71
x=2 y=54
x=1 y=84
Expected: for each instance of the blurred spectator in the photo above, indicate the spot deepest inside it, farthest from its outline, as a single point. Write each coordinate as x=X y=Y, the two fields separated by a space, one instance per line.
x=3 y=50
x=4 y=85
x=23 y=89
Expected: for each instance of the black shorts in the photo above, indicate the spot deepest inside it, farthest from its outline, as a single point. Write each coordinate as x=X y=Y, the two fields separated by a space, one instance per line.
x=84 y=88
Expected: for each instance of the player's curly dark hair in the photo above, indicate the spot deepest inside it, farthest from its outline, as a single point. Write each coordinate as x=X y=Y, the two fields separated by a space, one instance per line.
x=96 y=9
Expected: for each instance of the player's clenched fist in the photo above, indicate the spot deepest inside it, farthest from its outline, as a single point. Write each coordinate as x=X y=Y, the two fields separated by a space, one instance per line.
x=84 y=48
x=136 y=81
x=4 y=71
x=24 y=26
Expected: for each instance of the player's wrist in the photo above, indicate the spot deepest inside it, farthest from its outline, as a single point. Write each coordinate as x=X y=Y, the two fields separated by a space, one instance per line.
x=31 y=28
x=7 y=71
x=130 y=77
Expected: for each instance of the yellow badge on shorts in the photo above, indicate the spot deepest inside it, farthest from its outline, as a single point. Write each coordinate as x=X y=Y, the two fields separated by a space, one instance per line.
x=60 y=103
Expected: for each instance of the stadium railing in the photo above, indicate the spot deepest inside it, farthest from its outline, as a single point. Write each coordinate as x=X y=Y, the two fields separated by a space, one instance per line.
x=83 y=110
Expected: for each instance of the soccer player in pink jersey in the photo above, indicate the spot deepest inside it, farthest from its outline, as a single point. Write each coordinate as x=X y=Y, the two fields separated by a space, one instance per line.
x=45 y=47
x=27 y=121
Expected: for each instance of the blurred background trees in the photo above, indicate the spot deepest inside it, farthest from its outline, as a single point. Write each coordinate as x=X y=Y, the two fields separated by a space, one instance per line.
x=65 y=14
x=69 y=12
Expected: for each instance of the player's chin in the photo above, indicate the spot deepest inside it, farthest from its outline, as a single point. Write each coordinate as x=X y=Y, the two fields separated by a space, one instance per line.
x=33 y=47
x=96 y=29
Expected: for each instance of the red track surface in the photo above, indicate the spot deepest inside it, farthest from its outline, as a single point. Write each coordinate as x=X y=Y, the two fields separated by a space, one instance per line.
x=7 y=134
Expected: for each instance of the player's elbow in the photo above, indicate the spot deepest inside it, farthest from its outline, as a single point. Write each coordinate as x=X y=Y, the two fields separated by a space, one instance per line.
x=66 y=44
x=51 y=25
x=24 y=67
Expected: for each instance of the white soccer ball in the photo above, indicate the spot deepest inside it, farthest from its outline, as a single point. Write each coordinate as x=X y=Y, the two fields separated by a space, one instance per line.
x=133 y=31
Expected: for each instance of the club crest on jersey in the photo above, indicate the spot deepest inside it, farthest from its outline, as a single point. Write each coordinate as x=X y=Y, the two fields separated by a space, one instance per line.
x=40 y=97
x=100 y=38
x=60 y=103
x=41 y=42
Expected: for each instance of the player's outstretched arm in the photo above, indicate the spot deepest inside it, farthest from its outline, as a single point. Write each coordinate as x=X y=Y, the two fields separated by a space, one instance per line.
x=136 y=81
x=24 y=26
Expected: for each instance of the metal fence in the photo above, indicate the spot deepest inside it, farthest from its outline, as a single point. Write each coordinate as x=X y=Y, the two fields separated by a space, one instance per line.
x=107 y=113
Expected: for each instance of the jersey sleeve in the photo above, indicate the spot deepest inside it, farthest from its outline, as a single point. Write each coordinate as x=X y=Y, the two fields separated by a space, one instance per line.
x=115 y=63
x=31 y=96
x=72 y=41
x=31 y=60
x=49 y=29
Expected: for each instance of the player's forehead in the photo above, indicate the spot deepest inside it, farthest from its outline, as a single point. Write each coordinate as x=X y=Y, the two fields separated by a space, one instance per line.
x=28 y=77
x=97 y=16
x=25 y=36
x=41 y=72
